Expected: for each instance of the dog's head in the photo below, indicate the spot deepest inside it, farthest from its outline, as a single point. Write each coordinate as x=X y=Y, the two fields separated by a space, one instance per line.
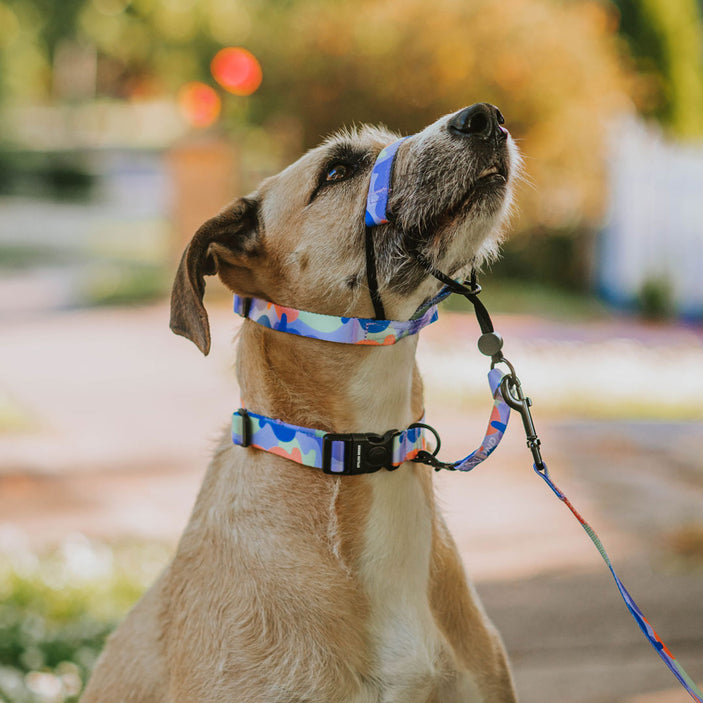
x=299 y=239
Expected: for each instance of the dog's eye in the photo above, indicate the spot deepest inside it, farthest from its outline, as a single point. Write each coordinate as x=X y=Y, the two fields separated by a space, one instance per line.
x=338 y=172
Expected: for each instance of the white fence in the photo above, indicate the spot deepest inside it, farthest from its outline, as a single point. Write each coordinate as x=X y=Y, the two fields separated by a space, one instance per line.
x=654 y=232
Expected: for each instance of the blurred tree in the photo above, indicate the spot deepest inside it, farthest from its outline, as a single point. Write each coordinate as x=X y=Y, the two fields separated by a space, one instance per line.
x=666 y=39
x=143 y=46
x=552 y=67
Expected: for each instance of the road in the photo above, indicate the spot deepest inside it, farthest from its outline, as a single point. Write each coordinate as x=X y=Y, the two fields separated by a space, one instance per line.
x=118 y=416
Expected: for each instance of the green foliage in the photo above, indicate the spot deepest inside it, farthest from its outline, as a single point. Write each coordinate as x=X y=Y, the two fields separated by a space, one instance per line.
x=655 y=299
x=553 y=68
x=59 y=175
x=125 y=283
x=513 y=296
x=667 y=40
x=557 y=258
x=57 y=610
x=54 y=20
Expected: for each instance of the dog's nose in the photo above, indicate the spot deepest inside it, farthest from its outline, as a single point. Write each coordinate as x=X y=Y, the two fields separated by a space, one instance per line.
x=480 y=120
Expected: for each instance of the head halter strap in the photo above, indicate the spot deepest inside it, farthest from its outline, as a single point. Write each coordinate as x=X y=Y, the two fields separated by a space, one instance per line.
x=377 y=214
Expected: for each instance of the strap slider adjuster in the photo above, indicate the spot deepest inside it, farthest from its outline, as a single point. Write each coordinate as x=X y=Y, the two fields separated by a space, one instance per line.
x=246 y=427
x=363 y=452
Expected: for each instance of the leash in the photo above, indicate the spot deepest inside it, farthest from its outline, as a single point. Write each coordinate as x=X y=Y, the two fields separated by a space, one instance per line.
x=514 y=396
x=653 y=638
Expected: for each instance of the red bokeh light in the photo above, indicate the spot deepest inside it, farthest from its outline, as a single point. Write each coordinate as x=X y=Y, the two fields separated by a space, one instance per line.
x=199 y=103
x=236 y=70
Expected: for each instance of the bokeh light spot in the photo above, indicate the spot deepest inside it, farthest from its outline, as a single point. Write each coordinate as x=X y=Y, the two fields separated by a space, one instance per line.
x=199 y=104
x=236 y=70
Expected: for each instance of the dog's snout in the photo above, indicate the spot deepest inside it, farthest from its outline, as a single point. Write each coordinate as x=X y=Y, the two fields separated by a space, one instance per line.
x=480 y=120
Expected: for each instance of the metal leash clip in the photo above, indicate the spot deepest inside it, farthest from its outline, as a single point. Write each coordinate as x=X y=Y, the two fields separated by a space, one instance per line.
x=491 y=344
x=512 y=392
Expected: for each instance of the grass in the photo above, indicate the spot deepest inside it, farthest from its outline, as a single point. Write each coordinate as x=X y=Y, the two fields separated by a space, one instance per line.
x=25 y=256
x=124 y=283
x=510 y=296
x=56 y=610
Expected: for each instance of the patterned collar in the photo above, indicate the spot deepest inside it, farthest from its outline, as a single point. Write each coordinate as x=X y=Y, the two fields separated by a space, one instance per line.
x=351 y=454
x=346 y=330
x=341 y=454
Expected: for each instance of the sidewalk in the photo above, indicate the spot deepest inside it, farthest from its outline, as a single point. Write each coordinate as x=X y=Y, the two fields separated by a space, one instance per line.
x=120 y=417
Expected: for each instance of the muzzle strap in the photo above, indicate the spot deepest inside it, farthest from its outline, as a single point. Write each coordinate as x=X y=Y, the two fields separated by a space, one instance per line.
x=377 y=214
x=380 y=186
x=372 y=277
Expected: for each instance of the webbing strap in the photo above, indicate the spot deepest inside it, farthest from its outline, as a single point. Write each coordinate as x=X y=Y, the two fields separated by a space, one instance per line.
x=661 y=649
x=330 y=328
x=497 y=424
x=341 y=454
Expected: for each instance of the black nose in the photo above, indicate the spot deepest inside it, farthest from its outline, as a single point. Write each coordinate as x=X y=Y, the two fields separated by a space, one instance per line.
x=480 y=120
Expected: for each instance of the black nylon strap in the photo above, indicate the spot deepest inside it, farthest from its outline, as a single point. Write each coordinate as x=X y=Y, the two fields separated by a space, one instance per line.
x=471 y=294
x=371 y=276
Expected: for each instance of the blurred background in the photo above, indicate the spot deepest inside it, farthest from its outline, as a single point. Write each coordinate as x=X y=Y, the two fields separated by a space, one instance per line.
x=124 y=124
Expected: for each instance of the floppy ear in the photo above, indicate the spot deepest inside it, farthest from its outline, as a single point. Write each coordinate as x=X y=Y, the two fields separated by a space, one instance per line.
x=230 y=236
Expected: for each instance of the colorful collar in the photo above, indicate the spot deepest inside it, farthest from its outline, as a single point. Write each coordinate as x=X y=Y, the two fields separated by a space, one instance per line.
x=363 y=452
x=347 y=330
x=340 y=454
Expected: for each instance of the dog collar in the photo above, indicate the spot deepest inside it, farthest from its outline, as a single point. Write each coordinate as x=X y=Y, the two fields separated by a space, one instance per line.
x=351 y=454
x=340 y=454
x=347 y=330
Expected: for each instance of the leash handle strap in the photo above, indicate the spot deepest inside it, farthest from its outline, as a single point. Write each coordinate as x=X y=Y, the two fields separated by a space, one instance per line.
x=346 y=330
x=661 y=649
x=340 y=454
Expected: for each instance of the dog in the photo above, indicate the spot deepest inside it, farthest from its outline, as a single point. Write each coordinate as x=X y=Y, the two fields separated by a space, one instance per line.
x=290 y=585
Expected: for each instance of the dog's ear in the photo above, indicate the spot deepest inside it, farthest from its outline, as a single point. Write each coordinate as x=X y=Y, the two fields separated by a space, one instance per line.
x=232 y=236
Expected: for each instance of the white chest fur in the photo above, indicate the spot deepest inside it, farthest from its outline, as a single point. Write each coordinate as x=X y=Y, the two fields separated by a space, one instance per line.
x=395 y=572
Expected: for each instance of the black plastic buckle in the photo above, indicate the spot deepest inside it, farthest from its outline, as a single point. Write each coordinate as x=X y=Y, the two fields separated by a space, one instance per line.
x=246 y=427
x=364 y=452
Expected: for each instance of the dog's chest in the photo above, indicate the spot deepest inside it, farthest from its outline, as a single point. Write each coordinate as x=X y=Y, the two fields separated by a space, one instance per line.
x=395 y=569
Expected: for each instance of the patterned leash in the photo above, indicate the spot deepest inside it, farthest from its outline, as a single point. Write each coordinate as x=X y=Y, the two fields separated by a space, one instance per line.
x=513 y=395
x=508 y=394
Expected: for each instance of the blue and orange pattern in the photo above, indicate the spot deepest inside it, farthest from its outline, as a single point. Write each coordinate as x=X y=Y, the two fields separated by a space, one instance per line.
x=661 y=649
x=496 y=426
x=347 y=330
x=304 y=445
x=380 y=186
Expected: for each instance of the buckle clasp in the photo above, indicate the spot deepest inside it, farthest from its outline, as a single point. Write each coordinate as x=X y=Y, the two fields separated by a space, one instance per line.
x=364 y=452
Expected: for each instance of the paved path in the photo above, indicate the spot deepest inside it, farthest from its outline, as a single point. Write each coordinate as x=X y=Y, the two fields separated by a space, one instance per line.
x=121 y=416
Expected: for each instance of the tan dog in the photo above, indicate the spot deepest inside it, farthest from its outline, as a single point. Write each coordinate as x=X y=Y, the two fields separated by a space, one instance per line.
x=289 y=585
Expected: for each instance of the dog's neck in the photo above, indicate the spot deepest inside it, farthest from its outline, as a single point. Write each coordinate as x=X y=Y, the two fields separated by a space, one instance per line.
x=328 y=386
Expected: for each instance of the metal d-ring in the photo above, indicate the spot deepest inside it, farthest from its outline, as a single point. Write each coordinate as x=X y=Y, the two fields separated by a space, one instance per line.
x=502 y=360
x=423 y=426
